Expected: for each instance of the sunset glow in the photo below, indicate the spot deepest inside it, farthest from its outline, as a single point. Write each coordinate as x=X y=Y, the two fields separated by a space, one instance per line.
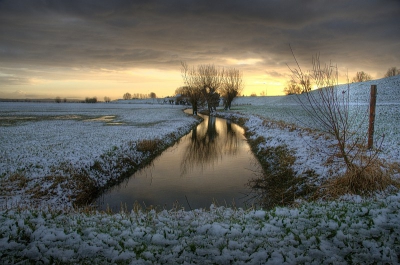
x=76 y=49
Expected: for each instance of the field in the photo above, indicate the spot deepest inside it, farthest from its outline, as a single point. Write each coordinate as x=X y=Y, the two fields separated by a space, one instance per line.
x=40 y=140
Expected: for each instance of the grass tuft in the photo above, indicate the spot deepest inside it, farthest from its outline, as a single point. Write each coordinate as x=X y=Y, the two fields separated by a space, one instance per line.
x=375 y=177
x=148 y=145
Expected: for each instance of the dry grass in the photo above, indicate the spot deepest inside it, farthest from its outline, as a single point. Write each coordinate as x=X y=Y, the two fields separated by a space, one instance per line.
x=376 y=176
x=148 y=145
x=19 y=180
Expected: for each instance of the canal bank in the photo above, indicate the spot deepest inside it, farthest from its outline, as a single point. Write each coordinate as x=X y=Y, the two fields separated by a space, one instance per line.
x=211 y=165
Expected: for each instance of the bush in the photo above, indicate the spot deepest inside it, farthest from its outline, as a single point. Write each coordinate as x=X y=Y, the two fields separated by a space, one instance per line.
x=148 y=145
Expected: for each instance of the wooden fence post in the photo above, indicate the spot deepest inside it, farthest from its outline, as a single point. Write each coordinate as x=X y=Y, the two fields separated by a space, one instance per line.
x=372 y=105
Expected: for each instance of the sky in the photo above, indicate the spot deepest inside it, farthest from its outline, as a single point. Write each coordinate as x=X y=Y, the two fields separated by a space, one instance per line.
x=102 y=48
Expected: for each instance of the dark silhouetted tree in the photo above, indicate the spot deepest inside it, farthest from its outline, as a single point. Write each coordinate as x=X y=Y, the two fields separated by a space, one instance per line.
x=152 y=95
x=127 y=96
x=361 y=77
x=91 y=100
x=232 y=86
x=392 y=71
x=201 y=85
x=210 y=80
x=192 y=89
x=292 y=87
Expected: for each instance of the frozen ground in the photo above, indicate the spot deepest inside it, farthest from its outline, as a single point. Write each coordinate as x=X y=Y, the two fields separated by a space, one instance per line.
x=350 y=231
x=48 y=139
x=387 y=123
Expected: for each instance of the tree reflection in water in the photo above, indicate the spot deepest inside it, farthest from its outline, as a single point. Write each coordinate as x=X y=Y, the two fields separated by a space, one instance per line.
x=212 y=164
x=209 y=142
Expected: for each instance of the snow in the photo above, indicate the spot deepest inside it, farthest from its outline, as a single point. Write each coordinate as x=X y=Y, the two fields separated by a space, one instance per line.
x=58 y=139
x=314 y=233
x=38 y=137
x=285 y=108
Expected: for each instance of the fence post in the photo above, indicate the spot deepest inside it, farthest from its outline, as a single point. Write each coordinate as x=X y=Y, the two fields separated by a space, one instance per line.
x=372 y=105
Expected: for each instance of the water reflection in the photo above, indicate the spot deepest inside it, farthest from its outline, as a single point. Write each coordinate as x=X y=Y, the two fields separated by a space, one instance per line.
x=208 y=144
x=212 y=163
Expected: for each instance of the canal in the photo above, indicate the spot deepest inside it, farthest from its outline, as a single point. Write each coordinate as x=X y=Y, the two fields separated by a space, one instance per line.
x=211 y=164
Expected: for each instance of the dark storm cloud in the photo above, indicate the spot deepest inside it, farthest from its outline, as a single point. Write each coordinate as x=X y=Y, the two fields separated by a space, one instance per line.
x=160 y=34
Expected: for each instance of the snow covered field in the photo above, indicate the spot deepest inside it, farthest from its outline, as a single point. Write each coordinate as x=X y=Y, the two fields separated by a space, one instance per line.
x=45 y=139
x=285 y=108
x=350 y=231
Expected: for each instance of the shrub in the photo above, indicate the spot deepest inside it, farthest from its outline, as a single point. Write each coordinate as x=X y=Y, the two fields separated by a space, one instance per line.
x=148 y=145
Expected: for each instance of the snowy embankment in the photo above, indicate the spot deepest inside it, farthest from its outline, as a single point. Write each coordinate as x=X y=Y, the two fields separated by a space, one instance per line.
x=387 y=122
x=352 y=232
x=47 y=148
x=312 y=149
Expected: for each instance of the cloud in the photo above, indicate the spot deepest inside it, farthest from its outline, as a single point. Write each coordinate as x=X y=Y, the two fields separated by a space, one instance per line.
x=9 y=79
x=159 y=34
x=274 y=74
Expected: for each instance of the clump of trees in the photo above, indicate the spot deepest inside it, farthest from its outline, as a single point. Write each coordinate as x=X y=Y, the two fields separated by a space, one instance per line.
x=91 y=100
x=291 y=88
x=392 y=71
x=298 y=86
x=127 y=96
x=107 y=99
x=361 y=77
x=59 y=100
x=207 y=83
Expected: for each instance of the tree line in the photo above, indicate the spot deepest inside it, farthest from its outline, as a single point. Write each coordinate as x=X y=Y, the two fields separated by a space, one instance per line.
x=128 y=96
x=87 y=100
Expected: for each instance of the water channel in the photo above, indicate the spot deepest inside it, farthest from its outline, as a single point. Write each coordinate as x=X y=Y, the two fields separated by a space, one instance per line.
x=211 y=164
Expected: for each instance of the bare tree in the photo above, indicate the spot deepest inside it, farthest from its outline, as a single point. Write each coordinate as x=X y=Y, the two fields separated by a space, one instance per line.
x=127 y=96
x=361 y=77
x=58 y=100
x=329 y=110
x=232 y=86
x=292 y=87
x=107 y=99
x=210 y=79
x=192 y=90
x=392 y=71
x=305 y=84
